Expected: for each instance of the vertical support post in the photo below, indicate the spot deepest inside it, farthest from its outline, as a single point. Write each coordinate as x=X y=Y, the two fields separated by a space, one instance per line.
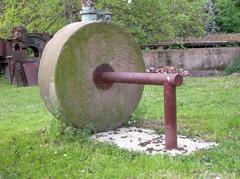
x=170 y=116
x=10 y=69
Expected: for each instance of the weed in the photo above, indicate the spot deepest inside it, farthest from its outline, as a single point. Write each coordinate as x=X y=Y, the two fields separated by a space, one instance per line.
x=233 y=67
x=63 y=132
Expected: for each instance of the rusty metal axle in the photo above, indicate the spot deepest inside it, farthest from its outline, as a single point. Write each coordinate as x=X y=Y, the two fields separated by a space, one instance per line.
x=104 y=76
x=142 y=78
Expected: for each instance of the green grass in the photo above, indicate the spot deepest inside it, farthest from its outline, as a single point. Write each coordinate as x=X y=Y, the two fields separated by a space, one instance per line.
x=233 y=67
x=34 y=145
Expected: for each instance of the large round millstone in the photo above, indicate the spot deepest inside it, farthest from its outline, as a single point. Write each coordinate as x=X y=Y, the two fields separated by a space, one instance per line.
x=66 y=75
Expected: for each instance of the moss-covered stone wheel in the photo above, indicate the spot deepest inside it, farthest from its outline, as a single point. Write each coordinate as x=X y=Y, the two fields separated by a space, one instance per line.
x=66 y=75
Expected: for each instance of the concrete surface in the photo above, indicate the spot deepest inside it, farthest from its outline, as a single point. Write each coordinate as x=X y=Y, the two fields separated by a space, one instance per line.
x=148 y=141
x=192 y=59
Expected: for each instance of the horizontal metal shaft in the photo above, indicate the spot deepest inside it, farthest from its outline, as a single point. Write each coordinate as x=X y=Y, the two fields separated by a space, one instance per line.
x=169 y=82
x=141 y=78
x=104 y=77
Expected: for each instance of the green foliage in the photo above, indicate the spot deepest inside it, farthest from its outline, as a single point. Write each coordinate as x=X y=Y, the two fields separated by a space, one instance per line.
x=149 y=21
x=152 y=21
x=61 y=132
x=228 y=15
x=35 y=15
x=233 y=67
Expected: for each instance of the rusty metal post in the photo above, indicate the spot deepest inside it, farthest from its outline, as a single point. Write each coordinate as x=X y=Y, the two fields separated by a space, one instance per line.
x=104 y=76
x=170 y=116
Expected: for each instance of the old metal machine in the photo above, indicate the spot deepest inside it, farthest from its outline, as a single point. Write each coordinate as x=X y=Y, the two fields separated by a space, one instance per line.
x=20 y=55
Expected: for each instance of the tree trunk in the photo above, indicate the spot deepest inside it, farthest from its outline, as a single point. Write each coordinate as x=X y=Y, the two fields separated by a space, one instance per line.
x=1 y=7
x=68 y=10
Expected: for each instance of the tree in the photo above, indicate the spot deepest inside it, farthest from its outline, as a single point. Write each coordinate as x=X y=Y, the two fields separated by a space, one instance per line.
x=228 y=15
x=150 y=21
x=156 y=20
x=35 y=16
x=71 y=9
x=210 y=23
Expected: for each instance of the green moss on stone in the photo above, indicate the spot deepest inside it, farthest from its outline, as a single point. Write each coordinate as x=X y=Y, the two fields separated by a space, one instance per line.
x=73 y=76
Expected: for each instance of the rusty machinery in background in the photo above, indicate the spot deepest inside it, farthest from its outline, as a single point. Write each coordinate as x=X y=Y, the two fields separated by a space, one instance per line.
x=20 y=55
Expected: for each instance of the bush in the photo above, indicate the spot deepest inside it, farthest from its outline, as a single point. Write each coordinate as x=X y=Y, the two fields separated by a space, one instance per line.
x=158 y=20
x=228 y=15
x=233 y=67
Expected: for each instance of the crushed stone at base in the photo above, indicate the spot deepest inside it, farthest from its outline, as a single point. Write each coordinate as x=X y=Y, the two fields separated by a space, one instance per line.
x=146 y=140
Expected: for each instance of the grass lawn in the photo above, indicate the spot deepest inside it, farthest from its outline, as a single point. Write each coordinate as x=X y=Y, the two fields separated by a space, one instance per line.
x=35 y=145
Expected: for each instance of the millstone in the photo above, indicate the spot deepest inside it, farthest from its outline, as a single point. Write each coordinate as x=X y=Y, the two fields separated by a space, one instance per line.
x=66 y=75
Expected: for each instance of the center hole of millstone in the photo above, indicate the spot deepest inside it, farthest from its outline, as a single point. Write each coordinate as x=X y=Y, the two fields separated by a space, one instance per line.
x=100 y=84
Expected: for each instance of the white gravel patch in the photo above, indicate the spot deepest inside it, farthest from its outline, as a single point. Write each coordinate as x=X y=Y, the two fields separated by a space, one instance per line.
x=147 y=141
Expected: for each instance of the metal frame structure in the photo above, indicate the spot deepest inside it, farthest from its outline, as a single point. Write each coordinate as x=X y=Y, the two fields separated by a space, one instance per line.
x=20 y=68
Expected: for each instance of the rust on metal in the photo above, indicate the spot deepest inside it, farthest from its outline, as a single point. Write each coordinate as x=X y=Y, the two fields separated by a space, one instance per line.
x=22 y=48
x=169 y=83
x=142 y=78
x=1 y=48
x=170 y=116
x=98 y=80
x=31 y=71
